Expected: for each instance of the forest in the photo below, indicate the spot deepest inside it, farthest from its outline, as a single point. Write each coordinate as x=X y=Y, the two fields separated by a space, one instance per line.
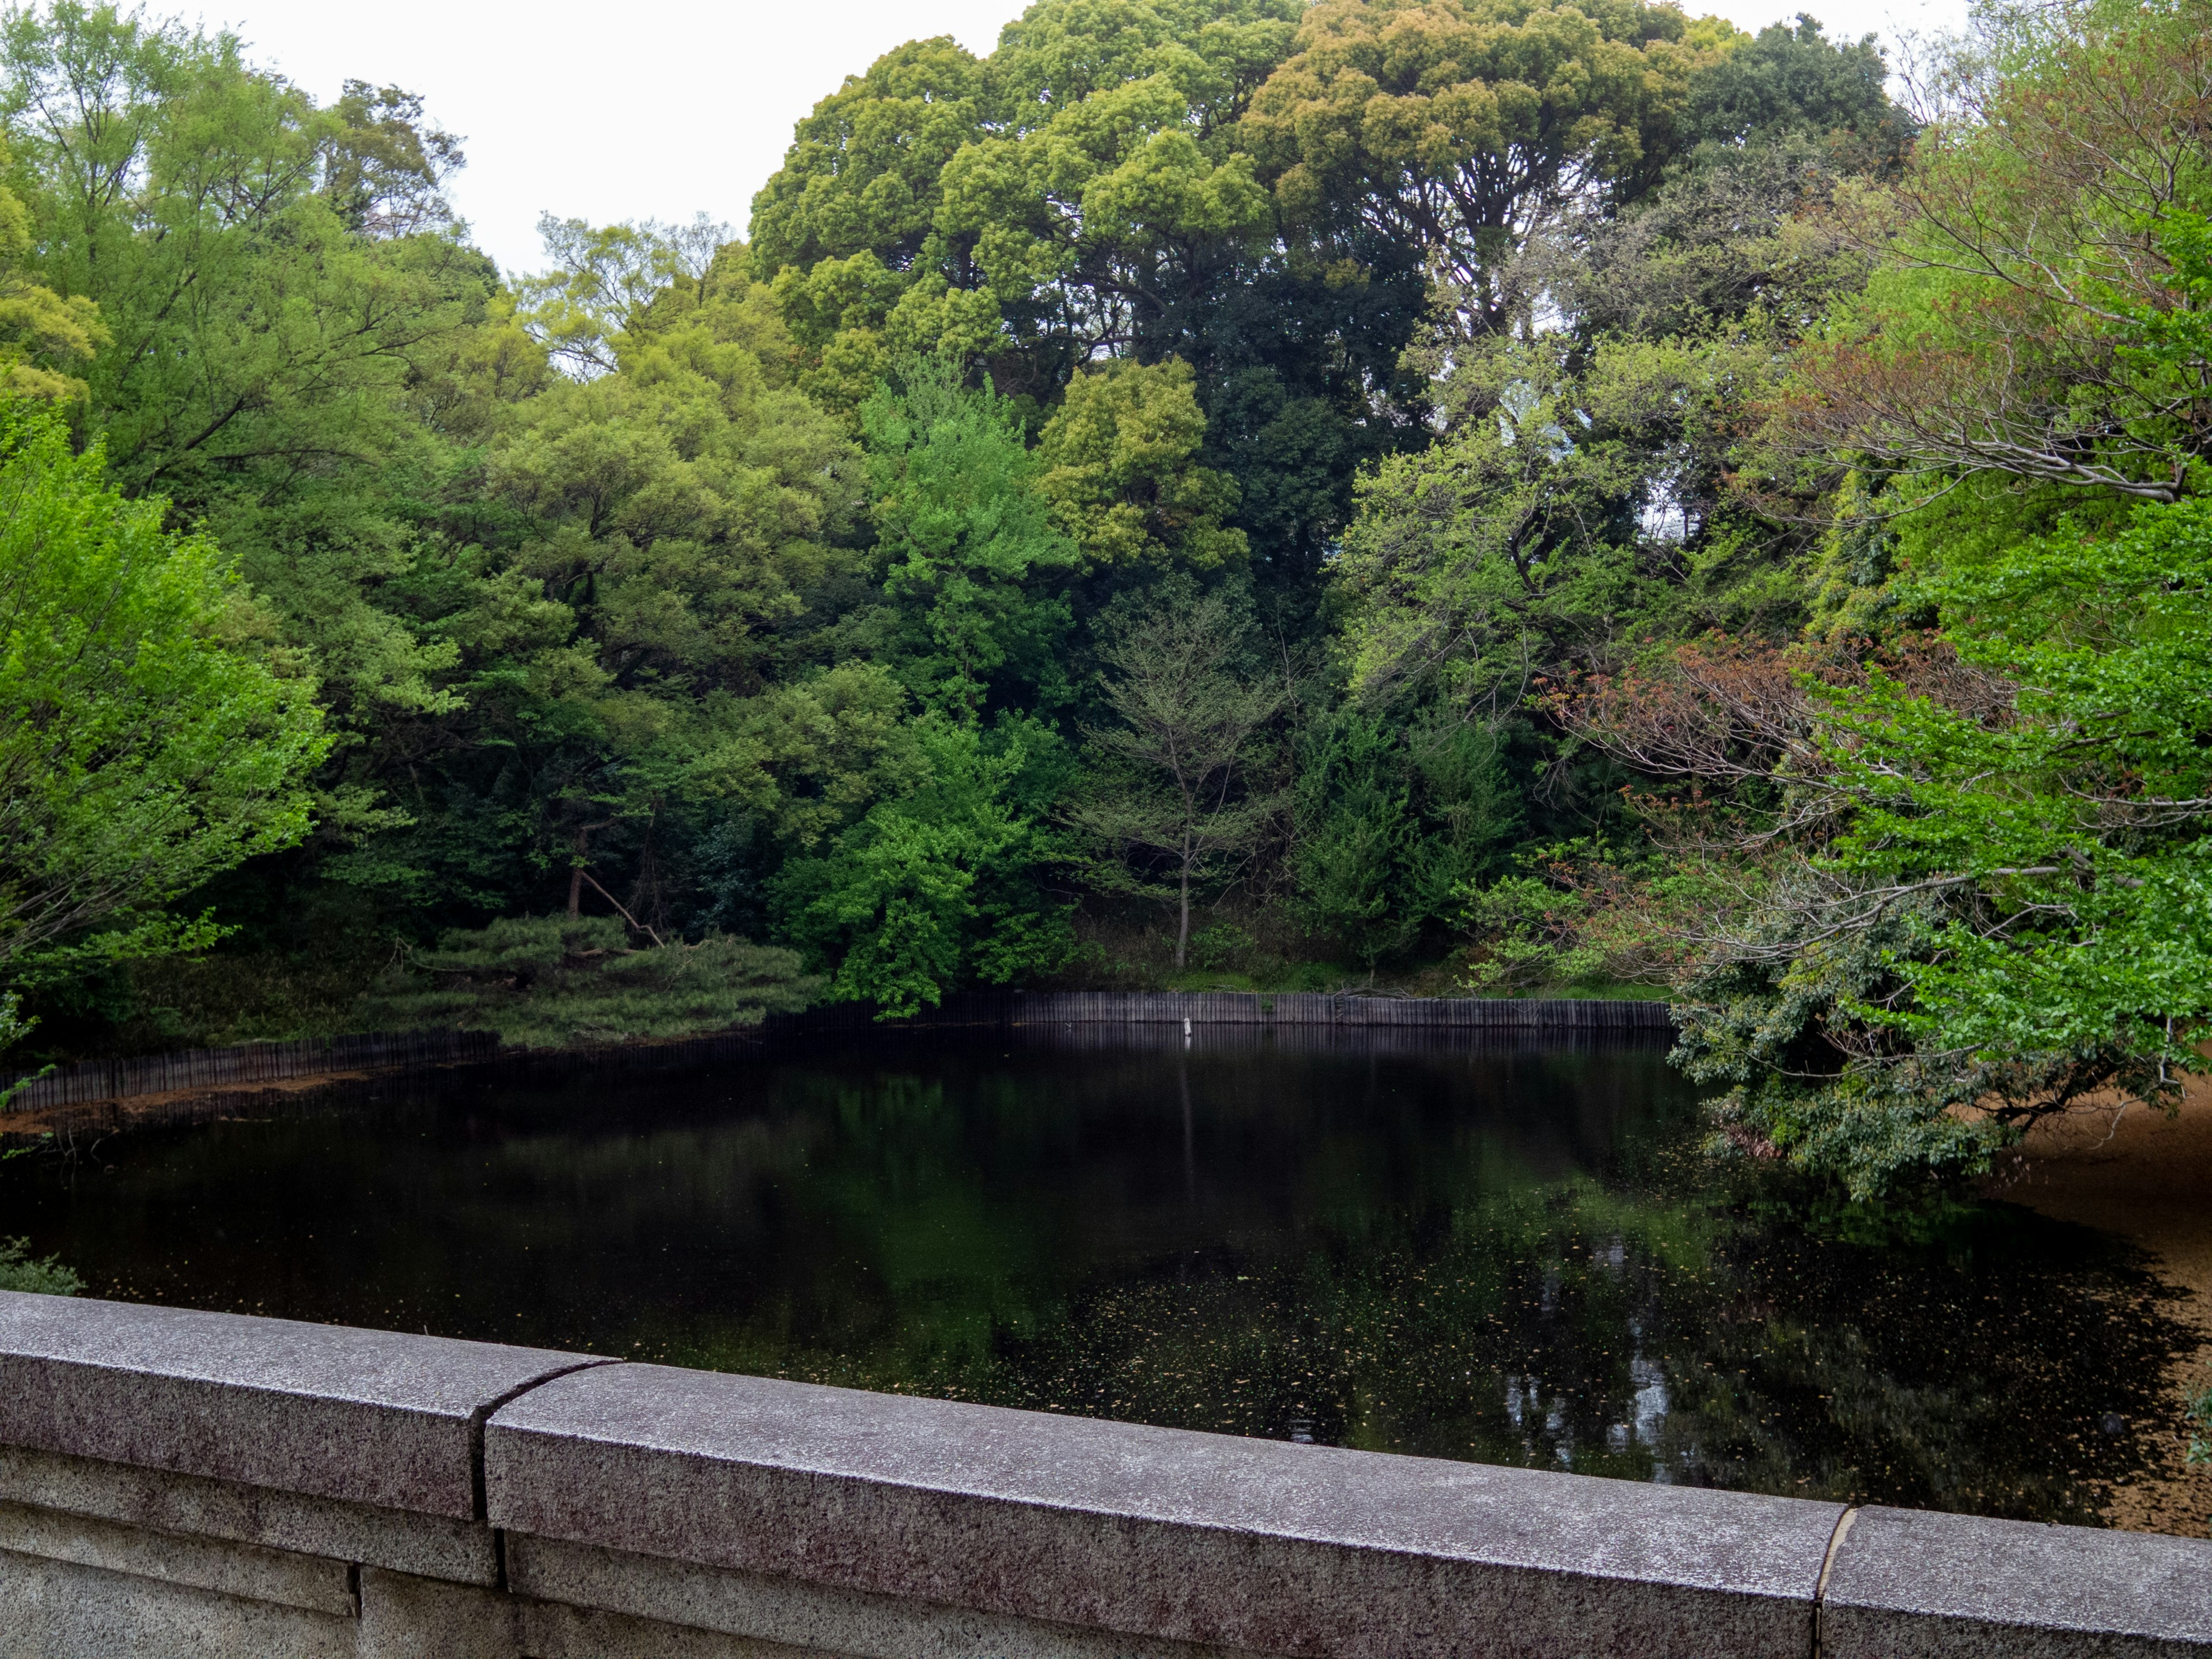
x=1469 y=498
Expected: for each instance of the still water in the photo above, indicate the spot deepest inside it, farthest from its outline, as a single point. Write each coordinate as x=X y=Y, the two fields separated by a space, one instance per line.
x=1466 y=1249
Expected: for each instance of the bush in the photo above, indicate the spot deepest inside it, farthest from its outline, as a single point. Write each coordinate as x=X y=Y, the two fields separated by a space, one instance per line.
x=48 y=1278
x=553 y=981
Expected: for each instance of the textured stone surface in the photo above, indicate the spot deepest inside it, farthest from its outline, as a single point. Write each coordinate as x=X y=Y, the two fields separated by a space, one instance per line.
x=61 y=1610
x=429 y=1546
x=405 y=1618
x=553 y=1631
x=1206 y=1539
x=408 y=1618
x=1915 y=1584
x=371 y=1417
x=787 y=1615
x=246 y=1569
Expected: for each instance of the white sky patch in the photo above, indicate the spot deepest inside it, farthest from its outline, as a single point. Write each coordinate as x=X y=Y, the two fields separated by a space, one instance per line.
x=664 y=108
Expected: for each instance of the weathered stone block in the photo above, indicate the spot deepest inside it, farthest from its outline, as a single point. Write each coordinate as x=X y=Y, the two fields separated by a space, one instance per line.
x=408 y=1618
x=405 y=1618
x=245 y=1569
x=550 y=1631
x=790 y=1615
x=370 y=1417
x=1202 y=1539
x=1916 y=1584
x=429 y=1546
x=53 y=1609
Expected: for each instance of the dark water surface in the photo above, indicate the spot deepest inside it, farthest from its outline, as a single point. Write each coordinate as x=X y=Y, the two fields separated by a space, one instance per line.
x=1464 y=1250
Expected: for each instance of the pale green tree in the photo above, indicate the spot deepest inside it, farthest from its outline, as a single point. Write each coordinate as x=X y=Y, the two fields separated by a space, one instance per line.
x=1183 y=789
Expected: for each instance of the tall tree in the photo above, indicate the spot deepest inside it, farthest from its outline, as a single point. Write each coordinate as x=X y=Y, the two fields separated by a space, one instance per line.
x=966 y=543
x=1183 y=783
x=148 y=741
x=1456 y=126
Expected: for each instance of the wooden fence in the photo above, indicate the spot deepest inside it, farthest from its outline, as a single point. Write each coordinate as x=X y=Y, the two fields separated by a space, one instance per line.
x=1020 y=1008
x=247 y=1065
x=257 y=1063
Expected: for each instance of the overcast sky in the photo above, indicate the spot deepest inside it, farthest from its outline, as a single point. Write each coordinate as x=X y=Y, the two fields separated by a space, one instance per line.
x=664 y=108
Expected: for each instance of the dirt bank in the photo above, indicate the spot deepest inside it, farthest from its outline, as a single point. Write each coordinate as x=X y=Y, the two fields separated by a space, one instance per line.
x=172 y=1106
x=2148 y=1178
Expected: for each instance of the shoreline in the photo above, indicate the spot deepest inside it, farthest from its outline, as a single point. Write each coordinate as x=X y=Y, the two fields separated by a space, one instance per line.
x=2147 y=1178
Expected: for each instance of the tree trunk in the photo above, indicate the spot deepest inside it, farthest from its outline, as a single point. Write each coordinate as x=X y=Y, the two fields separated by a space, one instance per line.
x=1182 y=920
x=577 y=872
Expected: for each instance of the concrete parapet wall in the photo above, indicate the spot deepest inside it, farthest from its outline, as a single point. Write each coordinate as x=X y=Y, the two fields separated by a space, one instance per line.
x=181 y=1484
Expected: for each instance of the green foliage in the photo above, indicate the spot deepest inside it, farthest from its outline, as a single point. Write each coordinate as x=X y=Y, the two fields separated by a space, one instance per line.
x=544 y=982
x=1585 y=911
x=1120 y=456
x=146 y=743
x=45 y=1277
x=270 y=283
x=1455 y=125
x=605 y=283
x=1183 y=788
x=966 y=541
x=2068 y=825
x=944 y=884
x=1394 y=822
x=1791 y=81
x=1013 y=210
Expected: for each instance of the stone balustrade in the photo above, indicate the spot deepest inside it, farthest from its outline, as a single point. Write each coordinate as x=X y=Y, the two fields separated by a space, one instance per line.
x=177 y=1484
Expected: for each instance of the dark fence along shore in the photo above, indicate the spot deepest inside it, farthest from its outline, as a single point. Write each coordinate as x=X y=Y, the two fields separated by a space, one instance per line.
x=254 y=1064
x=247 y=1065
x=1262 y=1008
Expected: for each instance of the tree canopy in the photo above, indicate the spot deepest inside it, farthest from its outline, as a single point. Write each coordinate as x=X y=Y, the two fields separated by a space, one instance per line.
x=1482 y=493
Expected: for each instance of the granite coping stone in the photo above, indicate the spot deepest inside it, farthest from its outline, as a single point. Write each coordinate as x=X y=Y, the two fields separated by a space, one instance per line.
x=370 y=1417
x=1917 y=1583
x=1259 y=1545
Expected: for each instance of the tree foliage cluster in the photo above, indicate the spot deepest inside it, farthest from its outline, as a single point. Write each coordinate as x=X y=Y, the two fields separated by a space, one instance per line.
x=1573 y=492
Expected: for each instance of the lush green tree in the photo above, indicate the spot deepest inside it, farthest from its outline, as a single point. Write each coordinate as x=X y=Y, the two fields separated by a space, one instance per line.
x=1454 y=126
x=1032 y=209
x=606 y=281
x=638 y=542
x=2012 y=915
x=966 y=541
x=1790 y=81
x=1975 y=796
x=268 y=275
x=148 y=739
x=2041 y=311
x=1122 y=471
x=1081 y=193
x=1395 y=822
x=944 y=883
x=44 y=338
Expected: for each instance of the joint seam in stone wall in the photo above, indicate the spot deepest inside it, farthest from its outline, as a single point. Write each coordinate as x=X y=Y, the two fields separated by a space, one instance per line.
x=1827 y=1566
x=482 y=1414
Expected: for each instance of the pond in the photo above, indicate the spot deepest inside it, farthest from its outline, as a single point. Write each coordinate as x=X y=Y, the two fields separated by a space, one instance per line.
x=1470 y=1248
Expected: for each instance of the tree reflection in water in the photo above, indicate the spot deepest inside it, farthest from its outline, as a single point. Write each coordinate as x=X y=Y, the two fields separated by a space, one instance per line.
x=1505 y=1253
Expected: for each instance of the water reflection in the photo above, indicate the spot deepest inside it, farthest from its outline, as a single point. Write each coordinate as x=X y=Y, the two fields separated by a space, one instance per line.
x=1506 y=1254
